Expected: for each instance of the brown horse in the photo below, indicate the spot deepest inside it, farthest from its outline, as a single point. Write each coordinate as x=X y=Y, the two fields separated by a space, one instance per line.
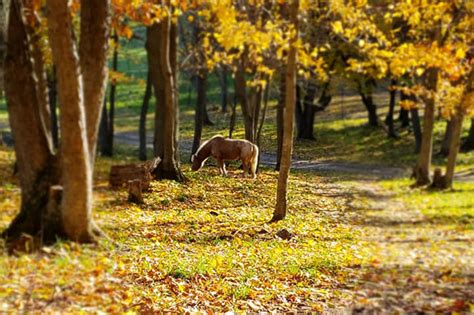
x=224 y=149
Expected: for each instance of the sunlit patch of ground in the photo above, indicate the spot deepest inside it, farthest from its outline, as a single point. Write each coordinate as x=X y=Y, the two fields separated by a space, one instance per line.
x=201 y=245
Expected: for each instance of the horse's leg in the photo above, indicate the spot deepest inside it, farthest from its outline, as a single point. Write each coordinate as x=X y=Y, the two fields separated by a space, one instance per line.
x=221 y=165
x=245 y=166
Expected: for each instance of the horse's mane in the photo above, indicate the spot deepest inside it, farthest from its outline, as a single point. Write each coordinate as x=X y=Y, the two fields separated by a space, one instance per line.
x=205 y=143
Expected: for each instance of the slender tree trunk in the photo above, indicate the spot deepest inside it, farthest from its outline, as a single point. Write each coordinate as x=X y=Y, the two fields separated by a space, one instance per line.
x=224 y=89
x=447 y=139
x=53 y=94
x=207 y=121
x=199 y=115
x=422 y=169
x=143 y=113
x=290 y=100
x=232 y=118
x=106 y=129
x=389 y=121
x=266 y=96
x=404 y=117
x=33 y=153
x=242 y=96
x=93 y=53
x=280 y=111
x=468 y=144
x=366 y=94
x=299 y=112
x=415 y=122
x=454 y=145
x=458 y=119
x=309 y=112
x=39 y=70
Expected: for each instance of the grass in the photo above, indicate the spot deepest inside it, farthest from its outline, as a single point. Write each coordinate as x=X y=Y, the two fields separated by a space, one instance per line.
x=174 y=253
x=454 y=207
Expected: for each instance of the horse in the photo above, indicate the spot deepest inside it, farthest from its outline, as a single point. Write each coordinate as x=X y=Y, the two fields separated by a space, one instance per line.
x=225 y=149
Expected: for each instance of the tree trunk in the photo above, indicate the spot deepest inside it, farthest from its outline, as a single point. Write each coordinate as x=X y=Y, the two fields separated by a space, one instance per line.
x=76 y=205
x=106 y=129
x=415 y=122
x=422 y=169
x=33 y=153
x=448 y=134
x=280 y=111
x=159 y=47
x=224 y=89
x=299 y=112
x=454 y=145
x=232 y=118
x=143 y=113
x=53 y=104
x=242 y=96
x=389 y=121
x=404 y=117
x=93 y=54
x=458 y=119
x=366 y=93
x=306 y=132
x=290 y=100
x=468 y=144
x=200 y=106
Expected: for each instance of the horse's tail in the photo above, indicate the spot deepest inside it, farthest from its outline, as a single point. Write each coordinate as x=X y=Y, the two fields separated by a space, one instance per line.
x=254 y=160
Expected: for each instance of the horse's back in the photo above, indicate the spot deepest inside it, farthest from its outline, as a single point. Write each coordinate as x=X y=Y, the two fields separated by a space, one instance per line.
x=230 y=149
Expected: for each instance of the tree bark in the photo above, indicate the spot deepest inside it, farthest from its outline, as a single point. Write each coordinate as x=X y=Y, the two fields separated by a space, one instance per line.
x=106 y=129
x=389 y=121
x=160 y=60
x=288 y=114
x=458 y=119
x=93 y=48
x=468 y=144
x=454 y=145
x=448 y=135
x=366 y=94
x=199 y=114
x=224 y=89
x=422 y=169
x=143 y=113
x=76 y=160
x=33 y=152
x=53 y=104
x=404 y=117
x=415 y=122
x=280 y=111
x=243 y=98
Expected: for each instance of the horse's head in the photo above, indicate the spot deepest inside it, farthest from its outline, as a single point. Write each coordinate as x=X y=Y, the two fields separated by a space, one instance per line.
x=196 y=163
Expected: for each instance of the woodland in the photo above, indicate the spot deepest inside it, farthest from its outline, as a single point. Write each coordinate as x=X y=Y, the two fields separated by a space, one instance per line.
x=343 y=182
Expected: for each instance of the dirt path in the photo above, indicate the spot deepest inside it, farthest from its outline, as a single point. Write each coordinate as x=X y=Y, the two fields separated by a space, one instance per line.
x=418 y=265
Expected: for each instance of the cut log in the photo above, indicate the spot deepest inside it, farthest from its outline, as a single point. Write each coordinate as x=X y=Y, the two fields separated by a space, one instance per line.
x=120 y=175
x=135 y=191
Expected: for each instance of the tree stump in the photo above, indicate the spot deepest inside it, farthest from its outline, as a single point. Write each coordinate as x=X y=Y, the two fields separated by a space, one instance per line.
x=120 y=175
x=135 y=191
x=439 y=180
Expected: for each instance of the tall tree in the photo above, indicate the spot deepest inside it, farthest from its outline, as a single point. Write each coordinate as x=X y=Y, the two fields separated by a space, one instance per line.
x=288 y=118
x=39 y=168
x=161 y=48
x=143 y=113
